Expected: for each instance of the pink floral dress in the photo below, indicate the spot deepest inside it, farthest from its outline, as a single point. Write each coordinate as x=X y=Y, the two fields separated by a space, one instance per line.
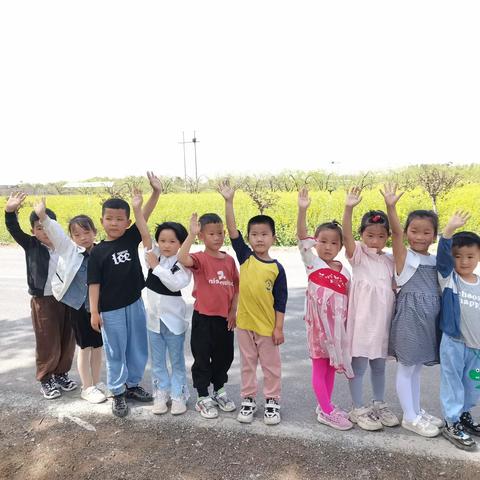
x=326 y=309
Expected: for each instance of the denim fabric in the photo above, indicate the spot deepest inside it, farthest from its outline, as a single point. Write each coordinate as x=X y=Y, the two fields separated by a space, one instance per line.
x=175 y=384
x=457 y=390
x=125 y=342
x=77 y=293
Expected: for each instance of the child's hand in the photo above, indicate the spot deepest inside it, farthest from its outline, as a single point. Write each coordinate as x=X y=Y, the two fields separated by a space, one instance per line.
x=277 y=336
x=155 y=182
x=459 y=219
x=39 y=208
x=353 y=197
x=137 y=200
x=194 y=225
x=231 y=321
x=303 y=199
x=15 y=201
x=96 y=322
x=390 y=194
x=151 y=259
x=226 y=191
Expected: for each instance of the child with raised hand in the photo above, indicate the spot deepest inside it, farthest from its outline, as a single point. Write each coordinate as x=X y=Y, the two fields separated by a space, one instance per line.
x=457 y=258
x=215 y=291
x=166 y=308
x=69 y=286
x=370 y=308
x=326 y=312
x=414 y=334
x=261 y=310
x=54 y=340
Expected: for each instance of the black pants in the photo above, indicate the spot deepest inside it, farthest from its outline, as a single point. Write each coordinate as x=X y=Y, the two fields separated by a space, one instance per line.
x=212 y=349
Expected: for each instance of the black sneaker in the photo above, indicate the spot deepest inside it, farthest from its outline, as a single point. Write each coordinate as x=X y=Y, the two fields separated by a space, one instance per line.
x=64 y=382
x=454 y=433
x=469 y=425
x=49 y=389
x=139 y=394
x=119 y=405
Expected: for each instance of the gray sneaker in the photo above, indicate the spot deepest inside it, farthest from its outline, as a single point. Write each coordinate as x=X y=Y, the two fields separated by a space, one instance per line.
x=221 y=399
x=384 y=414
x=365 y=418
x=207 y=407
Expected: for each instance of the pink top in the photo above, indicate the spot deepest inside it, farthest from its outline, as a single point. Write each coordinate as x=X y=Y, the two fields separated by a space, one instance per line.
x=215 y=283
x=371 y=302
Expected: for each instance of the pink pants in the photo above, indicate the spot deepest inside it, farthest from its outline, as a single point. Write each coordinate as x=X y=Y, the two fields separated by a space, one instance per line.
x=323 y=378
x=252 y=348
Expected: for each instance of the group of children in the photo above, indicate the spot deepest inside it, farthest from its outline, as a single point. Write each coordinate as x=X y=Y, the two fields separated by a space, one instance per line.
x=412 y=306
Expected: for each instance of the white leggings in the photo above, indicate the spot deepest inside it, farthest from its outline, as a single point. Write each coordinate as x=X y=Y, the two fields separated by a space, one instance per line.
x=408 y=390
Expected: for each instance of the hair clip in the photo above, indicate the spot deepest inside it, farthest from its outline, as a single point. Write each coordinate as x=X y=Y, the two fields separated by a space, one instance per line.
x=376 y=219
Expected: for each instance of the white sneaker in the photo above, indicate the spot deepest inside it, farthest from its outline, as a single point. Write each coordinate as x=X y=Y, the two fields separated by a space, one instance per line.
x=222 y=401
x=421 y=427
x=160 y=403
x=178 y=407
x=104 y=389
x=207 y=407
x=431 y=419
x=271 y=415
x=247 y=410
x=365 y=418
x=92 y=395
x=384 y=414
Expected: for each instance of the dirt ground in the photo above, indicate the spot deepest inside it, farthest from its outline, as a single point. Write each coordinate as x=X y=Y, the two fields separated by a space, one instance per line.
x=39 y=446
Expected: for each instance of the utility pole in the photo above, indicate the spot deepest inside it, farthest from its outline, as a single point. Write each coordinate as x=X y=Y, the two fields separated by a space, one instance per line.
x=195 y=141
x=184 y=161
x=183 y=143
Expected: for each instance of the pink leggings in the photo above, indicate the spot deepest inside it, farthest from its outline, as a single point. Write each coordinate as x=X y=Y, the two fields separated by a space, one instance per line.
x=323 y=377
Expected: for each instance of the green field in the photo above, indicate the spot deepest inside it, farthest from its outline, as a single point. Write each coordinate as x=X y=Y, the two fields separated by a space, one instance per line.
x=325 y=206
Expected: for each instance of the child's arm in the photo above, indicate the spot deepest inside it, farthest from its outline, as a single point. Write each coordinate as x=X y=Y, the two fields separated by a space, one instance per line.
x=94 y=298
x=352 y=200
x=140 y=221
x=232 y=314
x=12 y=206
x=391 y=198
x=280 y=295
x=183 y=254
x=228 y=193
x=303 y=204
x=277 y=335
x=151 y=203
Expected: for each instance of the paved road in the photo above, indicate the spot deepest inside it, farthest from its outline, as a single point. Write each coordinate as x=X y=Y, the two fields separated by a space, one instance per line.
x=19 y=389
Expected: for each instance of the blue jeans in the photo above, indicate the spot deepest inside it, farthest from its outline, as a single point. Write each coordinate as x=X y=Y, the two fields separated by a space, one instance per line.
x=175 y=384
x=457 y=390
x=124 y=333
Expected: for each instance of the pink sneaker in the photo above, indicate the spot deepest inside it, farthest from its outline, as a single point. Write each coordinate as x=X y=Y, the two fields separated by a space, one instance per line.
x=336 y=410
x=334 y=420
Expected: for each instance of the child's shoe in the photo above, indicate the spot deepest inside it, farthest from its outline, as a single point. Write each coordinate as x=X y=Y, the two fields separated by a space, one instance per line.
x=336 y=409
x=438 y=422
x=365 y=418
x=271 y=415
x=178 y=407
x=334 y=420
x=64 y=382
x=207 y=407
x=49 y=389
x=469 y=425
x=454 y=433
x=160 y=403
x=92 y=395
x=138 y=393
x=421 y=426
x=247 y=410
x=104 y=389
x=222 y=400
x=119 y=405
x=384 y=414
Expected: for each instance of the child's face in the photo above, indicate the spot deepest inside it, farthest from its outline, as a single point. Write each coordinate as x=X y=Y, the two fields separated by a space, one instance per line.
x=328 y=244
x=115 y=222
x=39 y=232
x=466 y=259
x=375 y=236
x=261 y=238
x=168 y=243
x=82 y=237
x=213 y=236
x=420 y=234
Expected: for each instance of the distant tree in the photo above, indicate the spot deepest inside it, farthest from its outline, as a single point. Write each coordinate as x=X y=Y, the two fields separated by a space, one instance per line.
x=260 y=196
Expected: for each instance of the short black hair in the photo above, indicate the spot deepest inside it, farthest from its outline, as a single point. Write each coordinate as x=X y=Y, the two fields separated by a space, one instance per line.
x=261 y=220
x=465 y=239
x=83 y=221
x=178 y=229
x=34 y=217
x=430 y=214
x=207 y=218
x=333 y=225
x=116 y=204
x=375 y=217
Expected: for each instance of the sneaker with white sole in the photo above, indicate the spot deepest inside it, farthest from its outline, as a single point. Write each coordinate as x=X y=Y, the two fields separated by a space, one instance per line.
x=271 y=415
x=455 y=433
x=336 y=410
x=438 y=422
x=104 y=389
x=160 y=403
x=247 y=410
x=469 y=425
x=65 y=382
x=365 y=418
x=49 y=389
x=92 y=395
x=207 y=407
x=222 y=401
x=384 y=414
x=421 y=426
x=334 y=420
x=178 y=407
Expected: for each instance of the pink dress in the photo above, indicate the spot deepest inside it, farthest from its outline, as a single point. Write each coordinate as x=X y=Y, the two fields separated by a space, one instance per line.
x=326 y=310
x=371 y=302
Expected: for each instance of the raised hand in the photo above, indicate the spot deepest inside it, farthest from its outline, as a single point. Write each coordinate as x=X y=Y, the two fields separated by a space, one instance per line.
x=390 y=194
x=457 y=220
x=155 y=182
x=151 y=259
x=137 y=199
x=353 y=197
x=303 y=199
x=194 y=225
x=15 y=201
x=226 y=191
x=39 y=208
